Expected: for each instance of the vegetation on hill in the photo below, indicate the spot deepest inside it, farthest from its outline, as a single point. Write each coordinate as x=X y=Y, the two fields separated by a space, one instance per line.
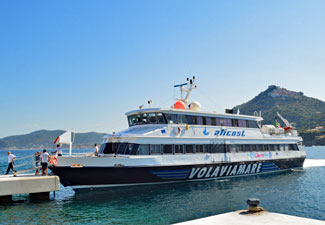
x=306 y=112
x=45 y=139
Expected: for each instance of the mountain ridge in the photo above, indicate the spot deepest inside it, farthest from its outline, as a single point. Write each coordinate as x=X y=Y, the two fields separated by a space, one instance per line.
x=45 y=139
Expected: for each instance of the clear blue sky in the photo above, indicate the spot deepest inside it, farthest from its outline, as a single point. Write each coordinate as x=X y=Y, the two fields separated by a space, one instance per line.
x=83 y=64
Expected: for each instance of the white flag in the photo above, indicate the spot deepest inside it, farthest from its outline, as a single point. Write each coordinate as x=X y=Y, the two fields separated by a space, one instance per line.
x=64 y=138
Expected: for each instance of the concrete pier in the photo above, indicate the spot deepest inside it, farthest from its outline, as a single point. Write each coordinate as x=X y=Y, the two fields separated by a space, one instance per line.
x=244 y=218
x=39 y=187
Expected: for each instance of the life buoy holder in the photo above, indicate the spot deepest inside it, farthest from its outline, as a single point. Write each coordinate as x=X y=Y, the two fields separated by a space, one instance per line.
x=53 y=160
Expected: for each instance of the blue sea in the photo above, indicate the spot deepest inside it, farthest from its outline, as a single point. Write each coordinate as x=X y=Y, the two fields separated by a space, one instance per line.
x=299 y=193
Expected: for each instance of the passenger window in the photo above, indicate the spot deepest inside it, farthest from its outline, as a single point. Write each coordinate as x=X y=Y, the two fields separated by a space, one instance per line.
x=227 y=122
x=179 y=149
x=143 y=150
x=168 y=149
x=253 y=148
x=189 y=119
x=199 y=148
x=109 y=148
x=160 y=118
x=144 y=118
x=135 y=149
x=234 y=122
x=242 y=123
x=139 y=120
x=281 y=147
x=208 y=121
x=213 y=121
x=155 y=150
x=189 y=148
x=181 y=119
x=247 y=148
x=217 y=148
x=171 y=118
x=199 y=120
x=260 y=148
x=252 y=124
x=152 y=118
x=128 y=149
x=232 y=148
x=132 y=120
x=121 y=148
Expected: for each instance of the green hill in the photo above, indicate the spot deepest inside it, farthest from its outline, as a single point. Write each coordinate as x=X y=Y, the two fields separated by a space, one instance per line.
x=45 y=138
x=305 y=111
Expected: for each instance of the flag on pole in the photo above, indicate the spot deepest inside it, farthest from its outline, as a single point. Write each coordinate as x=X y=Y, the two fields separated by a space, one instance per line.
x=64 y=138
x=277 y=124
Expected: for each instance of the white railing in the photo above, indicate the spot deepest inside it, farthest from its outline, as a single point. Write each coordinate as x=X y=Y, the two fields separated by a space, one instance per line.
x=27 y=164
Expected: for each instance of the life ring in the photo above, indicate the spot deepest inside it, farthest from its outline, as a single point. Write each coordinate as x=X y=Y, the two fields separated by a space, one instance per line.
x=53 y=160
x=177 y=130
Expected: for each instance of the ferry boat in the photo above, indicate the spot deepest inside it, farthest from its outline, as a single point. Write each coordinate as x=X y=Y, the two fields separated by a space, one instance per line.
x=183 y=143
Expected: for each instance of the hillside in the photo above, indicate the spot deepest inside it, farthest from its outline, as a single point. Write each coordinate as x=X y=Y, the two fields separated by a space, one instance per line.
x=45 y=138
x=305 y=111
x=313 y=137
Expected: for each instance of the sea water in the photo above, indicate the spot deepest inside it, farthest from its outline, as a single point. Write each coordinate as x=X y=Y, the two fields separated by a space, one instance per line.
x=299 y=193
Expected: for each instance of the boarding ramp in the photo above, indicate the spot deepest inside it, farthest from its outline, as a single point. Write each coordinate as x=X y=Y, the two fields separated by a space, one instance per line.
x=27 y=164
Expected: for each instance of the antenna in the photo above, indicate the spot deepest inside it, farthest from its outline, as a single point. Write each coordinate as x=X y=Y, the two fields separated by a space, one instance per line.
x=190 y=86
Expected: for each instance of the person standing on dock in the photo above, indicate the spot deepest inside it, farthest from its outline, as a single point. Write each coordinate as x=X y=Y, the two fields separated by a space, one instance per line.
x=44 y=158
x=37 y=161
x=58 y=150
x=96 y=150
x=11 y=158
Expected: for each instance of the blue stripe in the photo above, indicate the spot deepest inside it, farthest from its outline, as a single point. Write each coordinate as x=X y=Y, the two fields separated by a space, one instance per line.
x=171 y=174
x=263 y=170
x=268 y=165
x=272 y=167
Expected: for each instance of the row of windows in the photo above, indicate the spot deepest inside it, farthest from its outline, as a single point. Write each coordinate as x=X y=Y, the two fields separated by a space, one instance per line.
x=164 y=118
x=136 y=149
x=146 y=118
